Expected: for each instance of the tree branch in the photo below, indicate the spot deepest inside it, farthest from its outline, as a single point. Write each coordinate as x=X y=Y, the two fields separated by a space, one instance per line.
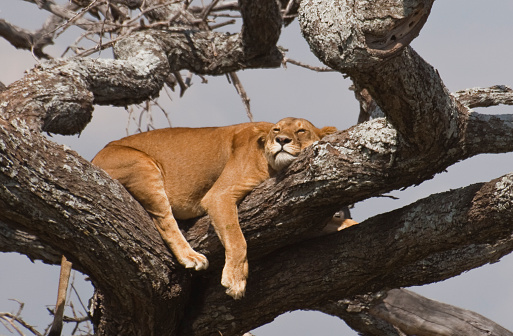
x=52 y=193
x=12 y=238
x=411 y=246
x=485 y=97
x=261 y=27
x=400 y=312
x=344 y=36
x=425 y=317
x=60 y=96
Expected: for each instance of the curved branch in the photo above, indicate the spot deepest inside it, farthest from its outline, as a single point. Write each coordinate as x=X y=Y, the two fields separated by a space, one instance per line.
x=425 y=317
x=51 y=193
x=349 y=34
x=401 y=312
x=58 y=96
x=406 y=88
x=411 y=246
x=23 y=39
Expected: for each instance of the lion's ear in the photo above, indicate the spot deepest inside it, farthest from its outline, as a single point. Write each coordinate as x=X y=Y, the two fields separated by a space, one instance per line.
x=326 y=131
x=261 y=130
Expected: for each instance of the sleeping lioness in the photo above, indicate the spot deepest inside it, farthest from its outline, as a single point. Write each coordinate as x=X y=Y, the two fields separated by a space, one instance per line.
x=188 y=172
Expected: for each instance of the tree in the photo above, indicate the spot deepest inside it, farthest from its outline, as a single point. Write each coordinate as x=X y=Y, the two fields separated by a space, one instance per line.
x=53 y=201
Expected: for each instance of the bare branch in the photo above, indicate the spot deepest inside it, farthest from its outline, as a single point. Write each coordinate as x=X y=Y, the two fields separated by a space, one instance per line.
x=9 y=319
x=410 y=246
x=485 y=97
x=23 y=39
x=69 y=15
x=234 y=79
x=416 y=315
x=306 y=66
x=399 y=312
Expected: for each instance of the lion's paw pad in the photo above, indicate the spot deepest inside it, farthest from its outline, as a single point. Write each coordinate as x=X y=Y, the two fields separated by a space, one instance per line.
x=197 y=261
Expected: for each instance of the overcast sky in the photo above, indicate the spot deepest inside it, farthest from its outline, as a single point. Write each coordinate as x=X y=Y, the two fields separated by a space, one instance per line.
x=469 y=42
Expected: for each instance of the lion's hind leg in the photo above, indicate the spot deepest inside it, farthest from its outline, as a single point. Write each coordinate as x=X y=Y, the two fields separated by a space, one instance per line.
x=142 y=177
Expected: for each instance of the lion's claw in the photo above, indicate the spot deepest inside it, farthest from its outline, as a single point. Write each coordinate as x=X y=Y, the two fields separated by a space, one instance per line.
x=234 y=279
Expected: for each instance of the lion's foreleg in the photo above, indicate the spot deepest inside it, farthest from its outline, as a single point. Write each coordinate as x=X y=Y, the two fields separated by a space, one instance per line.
x=222 y=210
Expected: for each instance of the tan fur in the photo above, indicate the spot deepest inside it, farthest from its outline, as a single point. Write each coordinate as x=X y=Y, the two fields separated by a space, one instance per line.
x=338 y=223
x=188 y=172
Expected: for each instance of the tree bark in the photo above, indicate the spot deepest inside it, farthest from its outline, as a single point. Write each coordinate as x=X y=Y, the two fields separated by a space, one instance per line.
x=427 y=317
x=76 y=210
x=400 y=312
x=425 y=242
x=52 y=202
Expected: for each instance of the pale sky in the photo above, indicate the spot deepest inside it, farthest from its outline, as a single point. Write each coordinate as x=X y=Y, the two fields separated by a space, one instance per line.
x=467 y=41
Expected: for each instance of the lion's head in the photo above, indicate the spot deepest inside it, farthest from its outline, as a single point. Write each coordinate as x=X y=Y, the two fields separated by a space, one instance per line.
x=288 y=137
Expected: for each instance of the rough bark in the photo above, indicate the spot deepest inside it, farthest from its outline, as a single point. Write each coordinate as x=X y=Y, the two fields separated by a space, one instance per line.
x=53 y=202
x=74 y=209
x=428 y=317
x=425 y=242
x=400 y=312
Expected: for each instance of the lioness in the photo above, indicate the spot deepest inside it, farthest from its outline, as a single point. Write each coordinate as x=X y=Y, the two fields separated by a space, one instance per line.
x=188 y=172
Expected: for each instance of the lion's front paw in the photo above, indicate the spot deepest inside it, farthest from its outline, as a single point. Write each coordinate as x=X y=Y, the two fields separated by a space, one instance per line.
x=194 y=260
x=234 y=279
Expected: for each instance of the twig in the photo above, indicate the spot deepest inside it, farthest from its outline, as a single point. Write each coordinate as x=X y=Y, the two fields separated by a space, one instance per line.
x=156 y=103
x=287 y=9
x=242 y=93
x=222 y=24
x=206 y=11
x=304 y=65
x=183 y=86
x=11 y=319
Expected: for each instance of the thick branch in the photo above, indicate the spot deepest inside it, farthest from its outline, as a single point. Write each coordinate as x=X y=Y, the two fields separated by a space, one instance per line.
x=411 y=246
x=407 y=89
x=350 y=34
x=51 y=193
x=401 y=312
x=416 y=315
x=58 y=97
x=491 y=133
x=485 y=97
x=261 y=26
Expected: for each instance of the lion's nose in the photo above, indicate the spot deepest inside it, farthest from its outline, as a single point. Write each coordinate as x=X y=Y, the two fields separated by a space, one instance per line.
x=283 y=140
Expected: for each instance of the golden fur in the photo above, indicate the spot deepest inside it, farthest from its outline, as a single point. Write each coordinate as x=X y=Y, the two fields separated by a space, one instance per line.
x=188 y=172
